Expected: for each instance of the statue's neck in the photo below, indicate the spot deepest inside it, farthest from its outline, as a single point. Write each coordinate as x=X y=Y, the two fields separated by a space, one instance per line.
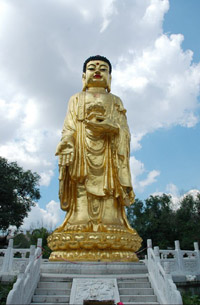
x=97 y=89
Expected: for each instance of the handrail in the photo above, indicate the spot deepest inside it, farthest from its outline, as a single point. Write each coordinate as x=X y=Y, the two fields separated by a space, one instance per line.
x=160 y=278
x=10 y=264
x=27 y=279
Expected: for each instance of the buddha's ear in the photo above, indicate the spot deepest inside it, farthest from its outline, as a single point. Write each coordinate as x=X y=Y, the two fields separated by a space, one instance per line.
x=84 y=82
x=109 y=83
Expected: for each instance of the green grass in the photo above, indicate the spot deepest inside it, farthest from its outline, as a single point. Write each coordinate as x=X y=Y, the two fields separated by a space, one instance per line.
x=189 y=299
x=4 y=290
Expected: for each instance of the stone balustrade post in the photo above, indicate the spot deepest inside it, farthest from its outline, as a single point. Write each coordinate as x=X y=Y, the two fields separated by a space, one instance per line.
x=167 y=269
x=146 y=260
x=179 y=256
x=17 y=287
x=23 y=255
x=8 y=258
x=39 y=245
x=149 y=246
x=168 y=276
x=157 y=253
x=39 y=242
x=21 y=271
x=32 y=253
x=149 y=243
x=196 y=250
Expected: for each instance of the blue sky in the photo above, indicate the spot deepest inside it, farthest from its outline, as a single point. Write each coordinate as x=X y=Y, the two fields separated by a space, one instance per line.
x=176 y=151
x=183 y=17
x=154 y=72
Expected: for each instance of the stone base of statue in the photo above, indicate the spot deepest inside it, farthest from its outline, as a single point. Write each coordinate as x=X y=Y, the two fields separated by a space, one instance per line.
x=94 y=246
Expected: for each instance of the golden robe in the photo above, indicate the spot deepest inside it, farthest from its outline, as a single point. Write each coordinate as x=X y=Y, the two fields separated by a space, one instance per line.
x=95 y=187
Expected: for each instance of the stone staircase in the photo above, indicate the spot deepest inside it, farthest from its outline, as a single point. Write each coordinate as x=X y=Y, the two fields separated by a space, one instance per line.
x=136 y=290
x=56 y=279
x=52 y=290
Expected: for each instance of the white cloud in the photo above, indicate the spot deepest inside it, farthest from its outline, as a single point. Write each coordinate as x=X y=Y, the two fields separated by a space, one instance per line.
x=151 y=178
x=138 y=170
x=163 y=83
x=42 y=52
x=155 y=12
x=135 y=141
x=50 y=217
x=46 y=177
x=172 y=190
x=108 y=9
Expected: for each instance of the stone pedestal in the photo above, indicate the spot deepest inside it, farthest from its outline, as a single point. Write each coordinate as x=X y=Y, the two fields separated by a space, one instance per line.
x=95 y=246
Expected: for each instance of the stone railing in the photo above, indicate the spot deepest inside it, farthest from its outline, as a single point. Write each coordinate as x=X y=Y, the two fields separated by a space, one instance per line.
x=181 y=262
x=11 y=260
x=160 y=278
x=27 y=279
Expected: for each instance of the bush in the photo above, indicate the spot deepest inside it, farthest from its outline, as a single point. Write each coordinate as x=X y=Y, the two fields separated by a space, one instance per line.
x=4 y=291
x=189 y=299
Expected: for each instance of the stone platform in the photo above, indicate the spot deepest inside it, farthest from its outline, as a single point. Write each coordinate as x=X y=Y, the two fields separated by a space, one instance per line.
x=71 y=283
x=93 y=268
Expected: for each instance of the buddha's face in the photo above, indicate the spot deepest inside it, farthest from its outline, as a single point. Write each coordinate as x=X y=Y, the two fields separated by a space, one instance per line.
x=97 y=75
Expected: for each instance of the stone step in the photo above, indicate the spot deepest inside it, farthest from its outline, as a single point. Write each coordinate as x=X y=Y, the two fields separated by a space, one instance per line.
x=55 y=278
x=134 y=285
x=136 y=279
x=50 y=299
x=56 y=281
x=136 y=291
x=140 y=303
x=55 y=285
x=138 y=298
x=50 y=303
x=50 y=291
x=93 y=268
x=52 y=277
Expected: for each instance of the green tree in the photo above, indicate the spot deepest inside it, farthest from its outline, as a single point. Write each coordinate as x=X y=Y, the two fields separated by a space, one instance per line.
x=162 y=218
x=22 y=240
x=154 y=219
x=19 y=190
x=188 y=221
x=41 y=233
x=137 y=217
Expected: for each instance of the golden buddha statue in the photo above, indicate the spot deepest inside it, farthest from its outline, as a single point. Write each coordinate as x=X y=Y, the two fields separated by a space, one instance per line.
x=94 y=174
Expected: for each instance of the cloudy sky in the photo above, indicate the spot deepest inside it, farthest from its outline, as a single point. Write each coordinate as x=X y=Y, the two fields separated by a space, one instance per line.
x=154 y=47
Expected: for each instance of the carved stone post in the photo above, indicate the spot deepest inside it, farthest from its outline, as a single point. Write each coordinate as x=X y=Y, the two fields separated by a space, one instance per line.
x=32 y=253
x=149 y=243
x=157 y=253
x=39 y=245
x=196 y=250
x=149 y=246
x=167 y=268
x=8 y=258
x=179 y=256
x=39 y=242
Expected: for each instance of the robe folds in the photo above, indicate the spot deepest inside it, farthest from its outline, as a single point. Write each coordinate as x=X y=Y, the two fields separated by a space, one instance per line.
x=100 y=160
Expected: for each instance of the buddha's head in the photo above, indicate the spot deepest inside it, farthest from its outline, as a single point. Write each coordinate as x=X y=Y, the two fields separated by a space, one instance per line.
x=97 y=73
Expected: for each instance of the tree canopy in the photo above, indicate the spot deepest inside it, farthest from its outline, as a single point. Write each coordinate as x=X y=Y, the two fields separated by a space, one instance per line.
x=19 y=189
x=31 y=237
x=188 y=221
x=156 y=218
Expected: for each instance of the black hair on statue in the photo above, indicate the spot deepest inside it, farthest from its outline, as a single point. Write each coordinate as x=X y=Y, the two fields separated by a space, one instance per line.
x=97 y=57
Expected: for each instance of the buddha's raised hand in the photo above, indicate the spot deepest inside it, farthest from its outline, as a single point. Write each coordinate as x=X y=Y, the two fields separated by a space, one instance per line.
x=102 y=126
